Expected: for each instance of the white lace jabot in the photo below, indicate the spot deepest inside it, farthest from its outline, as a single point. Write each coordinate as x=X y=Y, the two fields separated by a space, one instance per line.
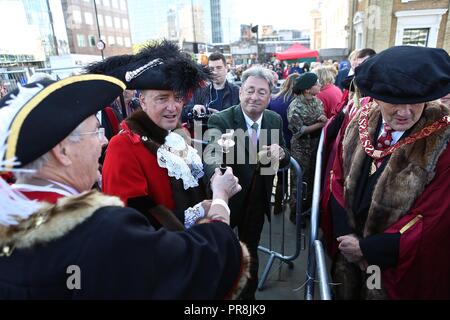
x=180 y=160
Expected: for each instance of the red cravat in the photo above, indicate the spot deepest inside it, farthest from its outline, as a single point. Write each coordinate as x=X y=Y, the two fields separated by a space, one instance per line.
x=384 y=142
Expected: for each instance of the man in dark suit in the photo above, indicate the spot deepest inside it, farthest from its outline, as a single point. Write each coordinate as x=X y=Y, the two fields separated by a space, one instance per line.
x=259 y=140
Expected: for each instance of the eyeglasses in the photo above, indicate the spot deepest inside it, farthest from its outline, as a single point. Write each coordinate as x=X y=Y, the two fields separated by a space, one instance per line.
x=259 y=93
x=100 y=132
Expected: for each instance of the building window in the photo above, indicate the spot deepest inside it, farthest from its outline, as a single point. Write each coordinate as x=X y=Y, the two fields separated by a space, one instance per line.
x=106 y=3
x=100 y=20
x=115 y=4
x=111 y=40
x=92 y=42
x=123 y=5
x=119 y=41
x=88 y=18
x=416 y=37
x=76 y=15
x=358 y=25
x=127 y=42
x=117 y=22
x=418 y=27
x=81 y=41
x=108 y=21
x=125 y=23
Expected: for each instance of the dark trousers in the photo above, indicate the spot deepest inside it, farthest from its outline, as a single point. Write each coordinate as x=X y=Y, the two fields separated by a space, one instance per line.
x=249 y=232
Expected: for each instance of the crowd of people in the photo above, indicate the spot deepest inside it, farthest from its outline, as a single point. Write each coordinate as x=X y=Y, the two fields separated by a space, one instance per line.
x=115 y=187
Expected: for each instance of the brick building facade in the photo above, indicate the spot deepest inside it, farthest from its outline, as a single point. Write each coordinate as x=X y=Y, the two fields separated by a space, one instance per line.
x=82 y=29
x=380 y=24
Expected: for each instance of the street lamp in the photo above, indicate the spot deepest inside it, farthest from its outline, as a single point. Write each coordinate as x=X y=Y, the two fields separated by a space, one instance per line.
x=255 y=30
x=100 y=43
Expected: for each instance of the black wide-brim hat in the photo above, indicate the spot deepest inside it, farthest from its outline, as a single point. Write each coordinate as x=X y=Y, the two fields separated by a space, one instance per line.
x=304 y=82
x=405 y=75
x=38 y=116
x=159 y=66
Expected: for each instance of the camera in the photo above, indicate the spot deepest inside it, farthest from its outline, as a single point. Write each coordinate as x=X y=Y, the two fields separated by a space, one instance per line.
x=134 y=104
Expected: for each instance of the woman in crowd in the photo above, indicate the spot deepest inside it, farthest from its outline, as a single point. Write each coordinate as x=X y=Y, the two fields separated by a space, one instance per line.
x=329 y=94
x=305 y=118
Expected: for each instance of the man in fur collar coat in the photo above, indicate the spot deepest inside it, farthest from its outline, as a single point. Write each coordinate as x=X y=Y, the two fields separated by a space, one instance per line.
x=393 y=233
x=149 y=163
x=61 y=240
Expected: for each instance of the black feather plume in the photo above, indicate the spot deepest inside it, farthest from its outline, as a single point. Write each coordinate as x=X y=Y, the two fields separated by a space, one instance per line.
x=109 y=65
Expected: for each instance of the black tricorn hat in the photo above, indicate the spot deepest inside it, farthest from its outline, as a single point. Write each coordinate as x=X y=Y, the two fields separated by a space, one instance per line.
x=159 y=66
x=405 y=75
x=38 y=116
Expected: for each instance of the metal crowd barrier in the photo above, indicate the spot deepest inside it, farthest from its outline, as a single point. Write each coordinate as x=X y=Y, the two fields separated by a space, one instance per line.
x=11 y=79
x=298 y=219
x=321 y=270
x=316 y=256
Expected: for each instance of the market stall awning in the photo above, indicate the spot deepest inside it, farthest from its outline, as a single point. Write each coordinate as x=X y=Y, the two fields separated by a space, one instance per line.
x=297 y=51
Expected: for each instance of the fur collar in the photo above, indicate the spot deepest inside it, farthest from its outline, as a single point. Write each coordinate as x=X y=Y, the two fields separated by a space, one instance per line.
x=407 y=172
x=54 y=221
x=141 y=124
x=244 y=274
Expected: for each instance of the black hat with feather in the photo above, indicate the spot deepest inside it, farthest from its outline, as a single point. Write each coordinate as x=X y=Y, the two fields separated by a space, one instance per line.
x=160 y=66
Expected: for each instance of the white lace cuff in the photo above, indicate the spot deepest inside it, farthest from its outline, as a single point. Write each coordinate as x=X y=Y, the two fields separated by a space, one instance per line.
x=192 y=214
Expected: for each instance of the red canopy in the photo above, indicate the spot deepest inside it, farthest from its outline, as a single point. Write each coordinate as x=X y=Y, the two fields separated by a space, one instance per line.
x=297 y=51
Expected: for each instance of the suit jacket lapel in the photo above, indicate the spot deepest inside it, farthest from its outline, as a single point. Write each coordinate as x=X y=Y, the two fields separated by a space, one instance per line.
x=239 y=120
x=265 y=135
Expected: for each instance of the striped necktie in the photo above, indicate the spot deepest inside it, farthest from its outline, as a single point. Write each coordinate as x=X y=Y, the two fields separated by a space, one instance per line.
x=254 y=134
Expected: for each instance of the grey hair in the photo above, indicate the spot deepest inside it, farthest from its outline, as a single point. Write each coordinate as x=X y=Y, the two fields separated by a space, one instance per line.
x=258 y=72
x=36 y=165
x=73 y=136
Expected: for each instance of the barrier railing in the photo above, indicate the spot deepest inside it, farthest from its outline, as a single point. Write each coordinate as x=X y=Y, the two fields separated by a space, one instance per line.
x=10 y=79
x=298 y=232
x=322 y=271
x=316 y=256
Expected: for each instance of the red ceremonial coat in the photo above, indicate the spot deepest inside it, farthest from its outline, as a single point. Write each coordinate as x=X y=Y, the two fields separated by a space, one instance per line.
x=409 y=198
x=333 y=177
x=130 y=170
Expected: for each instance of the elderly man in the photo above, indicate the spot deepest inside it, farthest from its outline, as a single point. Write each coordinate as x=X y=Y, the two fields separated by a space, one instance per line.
x=396 y=165
x=149 y=163
x=263 y=133
x=219 y=94
x=75 y=243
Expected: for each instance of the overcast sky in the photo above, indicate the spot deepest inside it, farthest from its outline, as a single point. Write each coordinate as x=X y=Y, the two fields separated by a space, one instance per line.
x=282 y=14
